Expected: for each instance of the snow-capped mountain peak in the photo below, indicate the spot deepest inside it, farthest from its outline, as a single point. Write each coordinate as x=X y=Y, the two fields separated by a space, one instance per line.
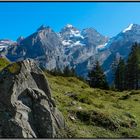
x=70 y=36
x=71 y=30
x=69 y=25
x=128 y=28
x=132 y=27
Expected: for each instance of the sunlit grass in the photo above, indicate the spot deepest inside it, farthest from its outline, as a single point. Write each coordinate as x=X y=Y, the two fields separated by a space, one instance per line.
x=111 y=104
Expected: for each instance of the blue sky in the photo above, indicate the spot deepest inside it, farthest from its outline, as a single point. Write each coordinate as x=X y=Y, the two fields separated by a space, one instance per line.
x=109 y=18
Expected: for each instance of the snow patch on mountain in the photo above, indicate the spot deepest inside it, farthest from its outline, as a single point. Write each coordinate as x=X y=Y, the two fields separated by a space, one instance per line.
x=2 y=47
x=70 y=43
x=78 y=43
x=69 y=31
x=5 y=43
x=101 y=47
x=128 y=28
x=76 y=33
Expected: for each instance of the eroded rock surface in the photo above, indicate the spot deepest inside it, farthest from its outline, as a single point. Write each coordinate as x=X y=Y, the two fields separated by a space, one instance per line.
x=27 y=109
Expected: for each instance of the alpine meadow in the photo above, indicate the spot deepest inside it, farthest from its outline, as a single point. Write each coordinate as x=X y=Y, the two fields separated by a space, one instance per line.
x=78 y=80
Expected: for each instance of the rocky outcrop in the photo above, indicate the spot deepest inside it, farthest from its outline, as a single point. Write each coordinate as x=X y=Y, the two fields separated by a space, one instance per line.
x=27 y=109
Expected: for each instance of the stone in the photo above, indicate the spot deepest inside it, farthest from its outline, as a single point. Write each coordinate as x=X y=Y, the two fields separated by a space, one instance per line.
x=79 y=108
x=73 y=103
x=27 y=107
x=72 y=118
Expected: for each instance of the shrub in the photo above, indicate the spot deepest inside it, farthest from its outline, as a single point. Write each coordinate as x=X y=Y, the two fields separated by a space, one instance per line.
x=125 y=97
x=97 y=118
x=134 y=92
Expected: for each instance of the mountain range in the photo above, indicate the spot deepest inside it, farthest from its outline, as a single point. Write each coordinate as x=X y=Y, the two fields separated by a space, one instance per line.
x=72 y=47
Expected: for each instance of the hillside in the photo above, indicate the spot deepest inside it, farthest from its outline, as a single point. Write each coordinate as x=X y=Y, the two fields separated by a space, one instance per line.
x=95 y=113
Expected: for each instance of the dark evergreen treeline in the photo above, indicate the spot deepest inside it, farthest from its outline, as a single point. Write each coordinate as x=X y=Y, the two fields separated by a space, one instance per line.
x=66 y=72
x=127 y=75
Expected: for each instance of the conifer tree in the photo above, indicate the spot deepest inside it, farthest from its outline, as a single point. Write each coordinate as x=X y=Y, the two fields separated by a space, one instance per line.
x=114 y=66
x=133 y=68
x=73 y=73
x=69 y=72
x=120 y=75
x=66 y=71
x=97 y=77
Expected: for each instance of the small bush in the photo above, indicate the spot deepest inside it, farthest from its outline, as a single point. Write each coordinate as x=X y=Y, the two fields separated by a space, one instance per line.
x=86 y=100
x=128 y=135
x=129 y=115
x=129 y=124
x=84 y=116
x=134 y=92
x=125 y=97
x=97 y=118
x=136 y=99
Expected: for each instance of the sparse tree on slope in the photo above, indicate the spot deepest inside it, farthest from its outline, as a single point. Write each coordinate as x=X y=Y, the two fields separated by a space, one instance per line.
x=97 y=77
x=69 y=72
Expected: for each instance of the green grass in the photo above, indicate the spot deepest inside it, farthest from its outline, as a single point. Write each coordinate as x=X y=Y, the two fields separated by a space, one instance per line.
x=97 y=113
x=3 y=63
x=13 y=68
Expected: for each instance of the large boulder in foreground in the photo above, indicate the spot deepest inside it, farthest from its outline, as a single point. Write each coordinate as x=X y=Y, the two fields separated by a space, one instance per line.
x=27 y=109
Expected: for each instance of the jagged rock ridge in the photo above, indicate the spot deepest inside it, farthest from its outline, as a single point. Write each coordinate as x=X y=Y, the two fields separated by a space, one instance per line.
x=72 y=47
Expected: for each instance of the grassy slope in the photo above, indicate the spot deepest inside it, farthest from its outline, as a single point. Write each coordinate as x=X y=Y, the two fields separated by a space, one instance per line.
x=95 y=111
x=119 y=109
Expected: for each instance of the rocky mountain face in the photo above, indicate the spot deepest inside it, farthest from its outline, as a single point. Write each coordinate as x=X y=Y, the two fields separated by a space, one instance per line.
x=44 y=46
x=6 y=44
x=122 y=42
x=120 y=46
x=73 y=47
x=81 y=47
x=27 y=109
